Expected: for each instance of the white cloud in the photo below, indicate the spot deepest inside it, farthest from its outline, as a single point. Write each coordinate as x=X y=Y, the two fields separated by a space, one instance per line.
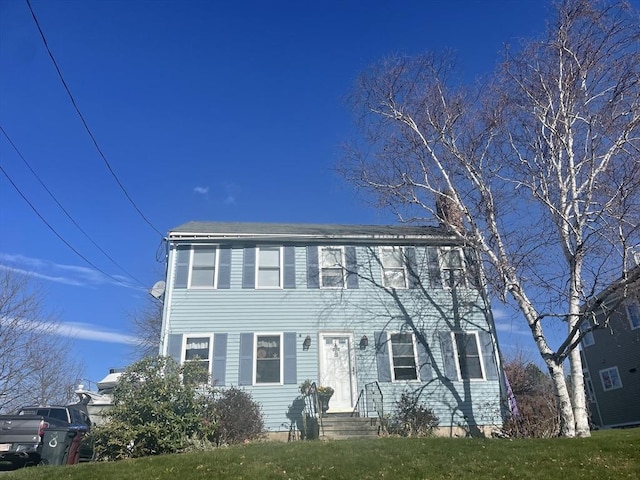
x=201 y=190
x=510 y=328
x=61 y=273
x=85 y=331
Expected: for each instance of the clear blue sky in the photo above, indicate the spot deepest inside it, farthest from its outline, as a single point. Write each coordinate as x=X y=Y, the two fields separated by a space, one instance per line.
x=205 y=110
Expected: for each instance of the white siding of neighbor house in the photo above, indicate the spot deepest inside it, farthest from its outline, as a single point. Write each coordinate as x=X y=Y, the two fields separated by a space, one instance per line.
x=309 y=311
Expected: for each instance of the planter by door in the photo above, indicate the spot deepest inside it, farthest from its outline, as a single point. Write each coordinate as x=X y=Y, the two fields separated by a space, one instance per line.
x=324 y=402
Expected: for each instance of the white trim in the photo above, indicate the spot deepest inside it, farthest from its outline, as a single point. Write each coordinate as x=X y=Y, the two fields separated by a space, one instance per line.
x=353 y=374
x=441 y=264
x=403 y=265
x=457 y=357
x=255 y=358
x=280 y=267
x=415 y=357
x=341 y=265
x=612 y=387
x=215 y=267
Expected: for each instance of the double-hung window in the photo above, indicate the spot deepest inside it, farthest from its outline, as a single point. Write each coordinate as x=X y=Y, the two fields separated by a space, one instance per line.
x=394 y=274
x=269 y=267
x=403 y=356
x=203 y=266
x=468 y=355
x=633 y=312
x=268 y=358
x=332 y=263
x=587 y=339
x=610 y=378
x=198 y=349
x=452 y=265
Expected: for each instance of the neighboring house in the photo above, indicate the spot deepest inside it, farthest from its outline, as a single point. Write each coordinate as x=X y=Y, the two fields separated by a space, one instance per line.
x=358 y=308
x=611 y=361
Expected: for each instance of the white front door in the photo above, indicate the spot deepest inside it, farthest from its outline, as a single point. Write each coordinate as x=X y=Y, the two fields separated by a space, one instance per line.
x=337 y=369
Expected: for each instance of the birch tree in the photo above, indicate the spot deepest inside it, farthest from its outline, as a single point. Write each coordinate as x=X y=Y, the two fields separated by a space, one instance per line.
x=538 y=168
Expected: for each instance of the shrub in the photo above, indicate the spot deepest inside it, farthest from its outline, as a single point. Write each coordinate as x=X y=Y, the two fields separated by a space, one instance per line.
x=412 y=417
x=238 y=417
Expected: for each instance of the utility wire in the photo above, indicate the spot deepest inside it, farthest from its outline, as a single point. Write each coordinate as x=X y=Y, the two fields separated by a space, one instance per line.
x=56 y=233
x=64 y=210
x=84 y=122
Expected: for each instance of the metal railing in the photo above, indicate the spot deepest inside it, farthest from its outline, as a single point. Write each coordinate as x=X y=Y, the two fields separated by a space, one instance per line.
x=370 y=400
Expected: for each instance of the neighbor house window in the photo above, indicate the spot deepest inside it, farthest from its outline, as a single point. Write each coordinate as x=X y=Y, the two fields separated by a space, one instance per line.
x=332 y=267
x=452 y=265
x=610 y=379
x=197 y=349
x=203 y=266
x=468 y=354
x=588 y=386
x=633 y=311
x=588 y=338
x=268 y=358
x=394 y=273
x=403 y=356
x=269 y=266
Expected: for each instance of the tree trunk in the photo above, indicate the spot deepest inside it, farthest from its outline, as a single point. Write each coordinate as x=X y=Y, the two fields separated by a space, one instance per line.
x=578 y=395
x=567 y=419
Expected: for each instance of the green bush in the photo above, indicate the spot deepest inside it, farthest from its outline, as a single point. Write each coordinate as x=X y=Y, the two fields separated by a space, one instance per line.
x=238 y=417
x=155 y=412
x=412 y=417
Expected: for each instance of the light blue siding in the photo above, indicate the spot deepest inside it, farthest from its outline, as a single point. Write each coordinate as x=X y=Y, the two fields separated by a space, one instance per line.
x=240 y=311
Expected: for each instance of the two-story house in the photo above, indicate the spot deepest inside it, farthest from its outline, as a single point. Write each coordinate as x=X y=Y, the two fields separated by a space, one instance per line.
x=611 y=359
x=399 y=308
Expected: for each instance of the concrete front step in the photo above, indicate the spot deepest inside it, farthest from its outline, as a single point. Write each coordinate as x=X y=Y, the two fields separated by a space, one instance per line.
x=336 y=426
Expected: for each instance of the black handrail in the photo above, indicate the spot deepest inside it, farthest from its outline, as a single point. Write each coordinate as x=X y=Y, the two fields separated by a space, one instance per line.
x=377 y=406
x=317 y=408
x=356 y=408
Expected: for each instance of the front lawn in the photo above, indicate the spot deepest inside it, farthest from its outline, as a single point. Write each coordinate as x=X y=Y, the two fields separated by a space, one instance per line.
x=612 y=454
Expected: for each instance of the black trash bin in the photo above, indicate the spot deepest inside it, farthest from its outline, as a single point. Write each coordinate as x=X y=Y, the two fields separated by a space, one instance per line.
x=58 y=446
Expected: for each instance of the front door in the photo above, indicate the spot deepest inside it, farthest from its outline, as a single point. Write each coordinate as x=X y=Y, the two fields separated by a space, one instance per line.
x=337 y=369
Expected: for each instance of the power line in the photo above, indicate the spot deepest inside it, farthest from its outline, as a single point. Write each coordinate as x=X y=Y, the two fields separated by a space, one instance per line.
x=56 y=233
x=64 y=210
x=84 y=122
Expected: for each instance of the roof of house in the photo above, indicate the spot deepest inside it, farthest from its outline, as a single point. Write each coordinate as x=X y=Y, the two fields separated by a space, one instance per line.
x=293 y=231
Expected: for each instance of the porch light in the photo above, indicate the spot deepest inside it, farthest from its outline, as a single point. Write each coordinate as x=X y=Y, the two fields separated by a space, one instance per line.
x=364 y=342
x=307 y=343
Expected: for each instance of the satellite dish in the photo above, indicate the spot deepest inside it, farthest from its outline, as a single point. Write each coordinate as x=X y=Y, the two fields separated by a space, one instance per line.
x=157 y=291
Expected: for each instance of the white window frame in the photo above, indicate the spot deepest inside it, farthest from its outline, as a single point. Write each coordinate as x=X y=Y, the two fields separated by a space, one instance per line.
x=341 y=266
x=403 y=266
x=216 y=248
x=183 y=352
x=415 y=357
x=255 y=358
x=607 y=371
x=631 y=306
x=588 y=339
x=280 y=267
x=588 y=386
x=457 y=356
x=443 y=252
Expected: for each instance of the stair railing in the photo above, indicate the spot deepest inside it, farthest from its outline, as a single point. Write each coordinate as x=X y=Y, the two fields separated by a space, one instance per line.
x=358 y=408
x=315 y=405
x=374 y=397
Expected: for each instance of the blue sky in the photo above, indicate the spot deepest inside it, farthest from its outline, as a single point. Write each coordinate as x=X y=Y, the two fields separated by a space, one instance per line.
x=204 y=110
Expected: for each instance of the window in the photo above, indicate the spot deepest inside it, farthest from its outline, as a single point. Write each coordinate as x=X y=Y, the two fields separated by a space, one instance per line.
x=198 y=349
x=452 y=265
x=633 y=312
x=394 y=274
x=403 y=356
x=268 y=355
x=203 y=266
x=269 y=266
x=610 y=379
x=468 y=354
x=331 y=267
x=588 y=386
x=588 y=339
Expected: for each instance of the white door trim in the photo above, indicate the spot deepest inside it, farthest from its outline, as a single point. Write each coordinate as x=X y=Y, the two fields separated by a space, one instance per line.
x=353 y=383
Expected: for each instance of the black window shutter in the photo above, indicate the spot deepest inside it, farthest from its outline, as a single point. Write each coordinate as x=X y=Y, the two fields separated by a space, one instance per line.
x=412 y=267
x=289 y=267
x=174 y=346
x=290 y=367
x=488 y=356
x=183 y=252
x=352 y=267
x=219 y=359
x=448 y=358
x=245 y=369
x=249 y=268
x=435 y=278
x=224 y=267
x=424 y=365
x=313 y=272
x=382 y=357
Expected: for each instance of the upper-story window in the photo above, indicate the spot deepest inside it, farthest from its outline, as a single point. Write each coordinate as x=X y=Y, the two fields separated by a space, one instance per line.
x=403 y=356
x=203 y=267
x=332 y=267
x=610 y=378
x=633 y=312
x=269 y=267
x=468 y=354
x=452 y=266
x=394 y=274
x=587 y=339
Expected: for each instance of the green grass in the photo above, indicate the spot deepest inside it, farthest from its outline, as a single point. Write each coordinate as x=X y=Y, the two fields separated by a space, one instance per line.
x=612 y=454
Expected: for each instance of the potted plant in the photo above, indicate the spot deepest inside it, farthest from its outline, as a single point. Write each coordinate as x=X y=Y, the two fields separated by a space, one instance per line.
x=324 y=395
